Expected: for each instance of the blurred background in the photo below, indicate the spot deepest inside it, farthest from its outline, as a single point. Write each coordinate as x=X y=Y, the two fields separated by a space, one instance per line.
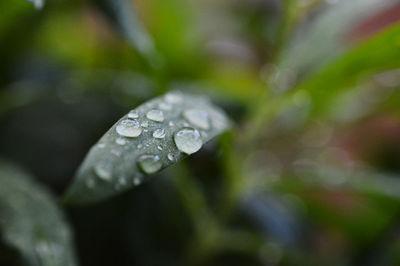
x=309 y=175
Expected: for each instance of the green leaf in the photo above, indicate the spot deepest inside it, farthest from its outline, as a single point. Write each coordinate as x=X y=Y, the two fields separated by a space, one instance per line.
x=149 y=138
x=379 y=53
x=125 y=18
x=323 y=39
x=31 y=222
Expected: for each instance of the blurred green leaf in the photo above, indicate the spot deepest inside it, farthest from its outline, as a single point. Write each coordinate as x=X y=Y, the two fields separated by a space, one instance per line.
x=144 y=141
x=31 y=222
x=322 y=39
x=125 y=18
x=382 y=52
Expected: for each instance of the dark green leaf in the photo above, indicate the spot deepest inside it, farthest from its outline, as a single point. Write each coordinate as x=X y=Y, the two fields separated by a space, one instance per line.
x=145 y=141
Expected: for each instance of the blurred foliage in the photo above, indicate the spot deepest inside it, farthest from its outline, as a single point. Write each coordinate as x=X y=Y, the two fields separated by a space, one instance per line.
x=308 y=176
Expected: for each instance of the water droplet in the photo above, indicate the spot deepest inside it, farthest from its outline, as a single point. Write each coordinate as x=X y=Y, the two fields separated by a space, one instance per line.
x=136 y=181
x=149 y=164
x=188 y=140
x=173 y=98
x=159 y=147
x=171 y=157
x=198 y=118
x=145 y=130
x=116 y=152
x=122 y=181
x=139 y=146
x=133 y=114
x=90 y=183
x=103 y=171
x=145 y=123
x=120 y=141
x=165 y=106
x=101 y=145
x=129 y=128
x=171 y=123
x=159 y=133
x=155 y=115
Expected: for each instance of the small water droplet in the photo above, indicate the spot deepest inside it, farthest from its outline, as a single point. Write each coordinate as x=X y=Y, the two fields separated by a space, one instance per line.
x=145 y=130
x=198 y=118
x=136 y=181
x=173 y=98
x=120 y=141
x=155 y=115
x=171 y=157
x=171 y=123
x=101 y=145
x=139 y=146
x=149 y=164
x=159 y=147
x=133 y=114
x=159 y=133
x=188 y=140
x=165 y=106
x=116 y=152
x=145 y=123
x=103 y=171
x=129 y=128
x=90 y=183
x=122 y=181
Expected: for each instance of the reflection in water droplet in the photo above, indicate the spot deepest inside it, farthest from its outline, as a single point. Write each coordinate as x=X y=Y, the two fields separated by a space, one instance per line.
x=149 y=164
x=171 y=157
x=198 y=118
x=159 y=133
x=188 y=140
x=129 y=128
x=120 y=141
x=155 y=115
x=103 y=171
x=133 y=114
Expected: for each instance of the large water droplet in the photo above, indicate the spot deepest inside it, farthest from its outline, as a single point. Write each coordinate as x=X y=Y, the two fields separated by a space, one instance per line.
x=129 y=128
x=103 y=171
x=155 y=115
x=159 y=133
x=188 y=140
x=198 y=118
x=149 y=164
x=133 y=114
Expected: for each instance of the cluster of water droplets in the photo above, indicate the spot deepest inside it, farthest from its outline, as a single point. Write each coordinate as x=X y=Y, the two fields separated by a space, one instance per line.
x=167 y=123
